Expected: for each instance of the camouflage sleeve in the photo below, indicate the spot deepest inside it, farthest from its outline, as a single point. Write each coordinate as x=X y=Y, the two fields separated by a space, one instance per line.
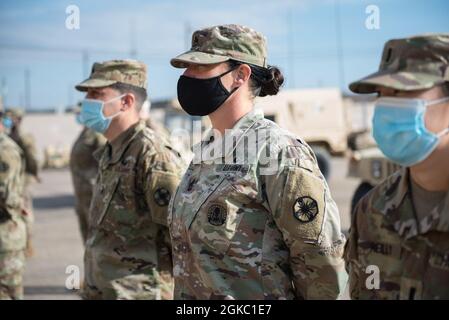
x=351 y=257
x=163 y=174
x=10 y=180
x=28 y=147
x=100 y=141
x=307 y=216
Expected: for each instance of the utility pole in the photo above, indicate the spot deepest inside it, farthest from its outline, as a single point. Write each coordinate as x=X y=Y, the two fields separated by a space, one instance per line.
x=70 y=103
x=188 y=35
x=132 y=39
x=291 y=49
x=27 y=89
x=4 y=92
x=85 y=58
x=340 y=58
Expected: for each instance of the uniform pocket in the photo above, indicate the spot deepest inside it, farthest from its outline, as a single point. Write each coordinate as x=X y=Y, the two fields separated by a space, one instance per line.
x=12 y=235
x=217 y=218
x=102 y=199
x=126 y=213
x=436 y=278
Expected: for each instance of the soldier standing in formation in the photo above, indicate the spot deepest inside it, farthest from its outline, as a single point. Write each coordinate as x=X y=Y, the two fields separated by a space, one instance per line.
x=13 y=235
x=402 y=226
x=128 y=251
x=84 y=170
x=27 y=143
x=84 y=166
x=255 y=219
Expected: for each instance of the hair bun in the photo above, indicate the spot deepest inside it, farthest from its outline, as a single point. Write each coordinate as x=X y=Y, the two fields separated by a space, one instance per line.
x=273 y=83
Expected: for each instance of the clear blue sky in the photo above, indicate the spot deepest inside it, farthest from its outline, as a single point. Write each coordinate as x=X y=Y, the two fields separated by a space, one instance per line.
x=301 y=39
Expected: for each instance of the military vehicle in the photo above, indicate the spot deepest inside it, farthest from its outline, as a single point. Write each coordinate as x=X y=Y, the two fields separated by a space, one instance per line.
x=367 y=163
x=56 y=158
x=179 y=124
x=316 y=115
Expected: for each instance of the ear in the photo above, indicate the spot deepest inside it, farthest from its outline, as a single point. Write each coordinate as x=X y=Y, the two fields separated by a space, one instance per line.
x=128 y=101
x=243 y=74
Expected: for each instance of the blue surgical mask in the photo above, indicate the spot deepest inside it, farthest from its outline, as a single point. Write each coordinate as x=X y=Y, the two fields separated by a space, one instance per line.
x=400 y=132
x=92 y=115
x=7 y=123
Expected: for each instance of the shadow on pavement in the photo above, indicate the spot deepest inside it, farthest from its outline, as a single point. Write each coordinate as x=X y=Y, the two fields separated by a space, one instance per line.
x=54 y=202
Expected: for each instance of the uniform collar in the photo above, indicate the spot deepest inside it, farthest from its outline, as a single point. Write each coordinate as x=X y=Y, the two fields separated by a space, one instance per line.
x=213 y=146
x=395 y=203
x=113 y=151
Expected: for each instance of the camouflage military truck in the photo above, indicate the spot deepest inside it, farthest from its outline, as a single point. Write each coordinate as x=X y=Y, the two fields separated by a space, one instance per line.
x=316 y=115
x=367 y=163
x=56 y=158
x=179 y=124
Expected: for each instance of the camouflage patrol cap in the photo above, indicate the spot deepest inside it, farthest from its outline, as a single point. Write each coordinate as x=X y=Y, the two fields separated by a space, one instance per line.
x=15 y=112
x=222 y=43
x=414 y=63
x=107 y=73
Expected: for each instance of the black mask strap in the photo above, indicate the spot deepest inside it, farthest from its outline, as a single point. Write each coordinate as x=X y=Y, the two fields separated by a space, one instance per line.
x=225 y=73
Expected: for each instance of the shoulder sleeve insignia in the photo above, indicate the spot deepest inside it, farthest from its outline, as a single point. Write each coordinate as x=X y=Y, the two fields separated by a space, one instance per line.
x=162 y=197
x=305 y=209
x=4 y=167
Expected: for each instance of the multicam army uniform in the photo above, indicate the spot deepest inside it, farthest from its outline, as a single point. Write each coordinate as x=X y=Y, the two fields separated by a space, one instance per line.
x=29 y=154
x=128 y=251
x=84 y=169
x=240 y=234
x=411 y=253
x=413 y=262
x=12 y=226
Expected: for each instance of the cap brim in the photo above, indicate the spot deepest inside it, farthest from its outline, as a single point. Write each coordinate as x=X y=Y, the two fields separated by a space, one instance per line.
x=196 y=57
x=400 y=80
x=94 y=83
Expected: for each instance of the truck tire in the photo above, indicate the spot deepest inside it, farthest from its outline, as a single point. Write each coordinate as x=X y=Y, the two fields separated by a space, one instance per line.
x=324 y=160
x=359 y=193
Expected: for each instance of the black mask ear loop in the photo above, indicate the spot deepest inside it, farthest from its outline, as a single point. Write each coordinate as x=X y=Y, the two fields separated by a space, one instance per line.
x=221 y=84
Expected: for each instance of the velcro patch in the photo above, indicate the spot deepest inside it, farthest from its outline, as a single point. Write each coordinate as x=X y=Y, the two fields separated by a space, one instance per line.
x=216 y=215
x=162 y=197
x=304 y=204
x=4 y=167
x=233 y=168
x=305 y=209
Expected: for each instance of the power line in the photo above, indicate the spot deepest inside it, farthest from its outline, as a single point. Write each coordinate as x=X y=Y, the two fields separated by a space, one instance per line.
x=23 y=47
x=310 y=54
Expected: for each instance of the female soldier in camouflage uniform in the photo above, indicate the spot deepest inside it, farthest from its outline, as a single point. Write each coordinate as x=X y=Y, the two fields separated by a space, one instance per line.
x=13 y=233
x=255 y=219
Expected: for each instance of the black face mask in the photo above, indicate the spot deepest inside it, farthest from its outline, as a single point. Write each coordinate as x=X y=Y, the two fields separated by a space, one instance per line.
x=201 y=97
